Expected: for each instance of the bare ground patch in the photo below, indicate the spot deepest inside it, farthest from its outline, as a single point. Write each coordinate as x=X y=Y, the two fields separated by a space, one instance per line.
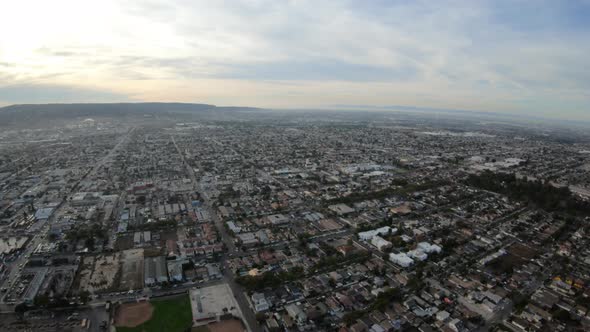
x=99 y=273
x=133 y=314
x=132 y=270
x=230 y=325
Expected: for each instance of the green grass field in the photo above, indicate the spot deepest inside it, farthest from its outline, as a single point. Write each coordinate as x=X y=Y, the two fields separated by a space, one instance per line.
x=171 y=315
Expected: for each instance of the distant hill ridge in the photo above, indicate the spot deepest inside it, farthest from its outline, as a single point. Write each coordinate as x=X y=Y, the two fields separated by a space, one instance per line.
x=19 y=113
x=105 y=107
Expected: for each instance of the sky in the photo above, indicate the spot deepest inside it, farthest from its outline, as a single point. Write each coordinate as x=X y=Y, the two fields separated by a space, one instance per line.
x=515 y=57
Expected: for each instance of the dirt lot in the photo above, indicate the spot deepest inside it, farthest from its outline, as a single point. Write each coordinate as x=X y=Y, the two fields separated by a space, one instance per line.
x=99 y=273
x=232 y=325
x=328 y=225
x=167 y=235
x=124 y=242
x=522 y=251
x=133 y=314
x=518 y=254
x=131 y=270
x=121 y=271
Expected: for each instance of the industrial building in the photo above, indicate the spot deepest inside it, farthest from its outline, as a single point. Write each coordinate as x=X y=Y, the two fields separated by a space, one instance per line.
x=155 y=270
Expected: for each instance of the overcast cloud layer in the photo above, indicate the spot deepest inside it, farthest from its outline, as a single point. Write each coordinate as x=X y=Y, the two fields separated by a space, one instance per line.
x=525 y=57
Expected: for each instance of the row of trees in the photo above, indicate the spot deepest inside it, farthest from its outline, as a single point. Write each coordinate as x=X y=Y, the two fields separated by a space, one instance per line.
x=45 y=301
x=405 y=189
x=152 y=226
x=381 y=302
x=539 y=193
x=87 y=233
x=270 y=279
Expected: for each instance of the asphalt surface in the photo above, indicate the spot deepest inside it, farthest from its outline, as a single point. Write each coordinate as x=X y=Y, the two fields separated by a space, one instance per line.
x=240 y=296
x=43 y=226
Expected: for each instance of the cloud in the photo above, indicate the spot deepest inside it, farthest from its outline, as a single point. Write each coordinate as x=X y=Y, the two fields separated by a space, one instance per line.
x=519 y=56
x=21 y=94
x=319 y=70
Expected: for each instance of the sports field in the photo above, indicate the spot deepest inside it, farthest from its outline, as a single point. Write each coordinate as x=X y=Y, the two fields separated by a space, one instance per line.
x=171 y=314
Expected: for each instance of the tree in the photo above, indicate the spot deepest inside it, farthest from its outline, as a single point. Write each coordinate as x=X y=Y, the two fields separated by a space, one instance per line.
x=84 y=297
x=89 y=243
x=20 y=309
x=385 y=298
x=41 y=300
x=303 y=239
x=352 y=316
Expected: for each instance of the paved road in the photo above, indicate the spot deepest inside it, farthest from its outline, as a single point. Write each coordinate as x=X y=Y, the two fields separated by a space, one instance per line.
x=44 y=225
x=150 y=292
x=247 y=311
x=37 y=239
x=288 y=244
x=130 y=297
x=15 y=265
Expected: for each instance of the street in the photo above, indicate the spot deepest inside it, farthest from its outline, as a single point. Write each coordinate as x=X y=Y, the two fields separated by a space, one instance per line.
x=249 y=316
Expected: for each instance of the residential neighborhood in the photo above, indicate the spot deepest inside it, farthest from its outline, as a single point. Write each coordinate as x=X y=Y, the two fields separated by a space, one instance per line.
x=360 y=227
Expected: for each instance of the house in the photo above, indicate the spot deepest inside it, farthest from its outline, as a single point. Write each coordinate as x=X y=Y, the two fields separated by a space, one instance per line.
x=442 y=315
x=294 y=311
x=175 y=269
x=402 y=209
x=341 y=209
x=277 y=219
x=417 y=254
x=368 y=235
x=429 y=248
x=456 y=325
x=401 y=259
x=359 y=327
x=232 y=227
x=262 y=237
x=345 y=250
x=380 y=243
x=377 y=328
x=248 y=239
x=213 y=271
x=260 y=302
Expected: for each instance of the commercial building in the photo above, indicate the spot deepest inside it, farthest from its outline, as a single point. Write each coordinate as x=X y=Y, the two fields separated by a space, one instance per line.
x=213 y=303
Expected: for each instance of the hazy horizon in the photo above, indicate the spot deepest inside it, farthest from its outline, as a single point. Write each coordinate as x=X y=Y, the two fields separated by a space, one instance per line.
x=511 y=57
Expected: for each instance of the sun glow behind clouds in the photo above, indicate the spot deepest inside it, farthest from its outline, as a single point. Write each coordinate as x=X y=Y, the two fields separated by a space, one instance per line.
x=480 y=55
